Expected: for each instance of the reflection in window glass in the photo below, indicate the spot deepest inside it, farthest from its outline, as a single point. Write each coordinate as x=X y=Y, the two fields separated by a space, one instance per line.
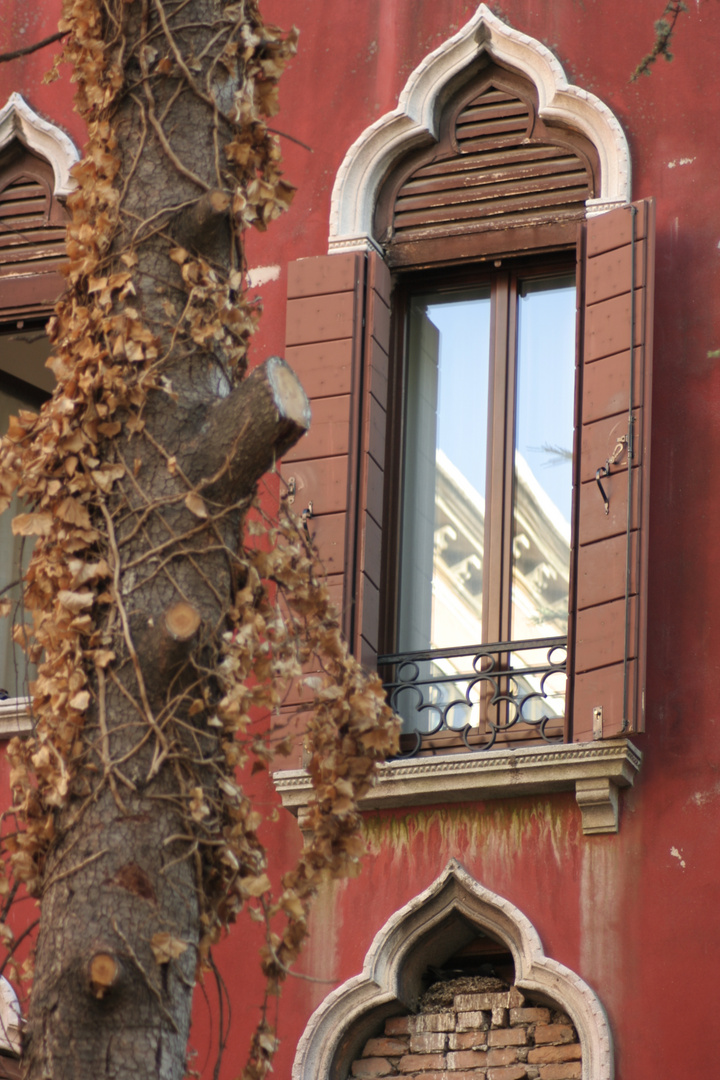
x=543 y=458
x=444 y=471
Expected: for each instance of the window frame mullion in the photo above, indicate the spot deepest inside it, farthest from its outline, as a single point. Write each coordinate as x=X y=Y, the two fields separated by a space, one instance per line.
x=498 y=546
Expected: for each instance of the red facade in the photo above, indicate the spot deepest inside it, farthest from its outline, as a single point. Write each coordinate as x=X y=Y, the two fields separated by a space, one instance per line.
x=610 y=855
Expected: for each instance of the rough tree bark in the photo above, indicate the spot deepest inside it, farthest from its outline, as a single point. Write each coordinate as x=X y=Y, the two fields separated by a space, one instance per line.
x=164 y=451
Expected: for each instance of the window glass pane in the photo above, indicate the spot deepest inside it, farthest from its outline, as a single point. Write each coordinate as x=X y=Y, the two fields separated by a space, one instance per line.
x=543 y=457
x=444 y=470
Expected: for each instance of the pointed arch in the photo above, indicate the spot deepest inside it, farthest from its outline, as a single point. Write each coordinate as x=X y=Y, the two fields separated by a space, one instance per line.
x=415 y=122
x=19 y=121
x=428 y=929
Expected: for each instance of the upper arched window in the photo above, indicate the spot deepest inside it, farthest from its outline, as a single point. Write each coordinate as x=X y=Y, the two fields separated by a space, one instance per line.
x=481 y=326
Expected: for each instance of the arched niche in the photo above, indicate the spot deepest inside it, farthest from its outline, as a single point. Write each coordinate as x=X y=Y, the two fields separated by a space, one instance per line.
x=428 y=930
x=416 y=121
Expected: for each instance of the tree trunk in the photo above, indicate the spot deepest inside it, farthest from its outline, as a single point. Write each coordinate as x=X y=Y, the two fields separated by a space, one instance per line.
x=164 y=448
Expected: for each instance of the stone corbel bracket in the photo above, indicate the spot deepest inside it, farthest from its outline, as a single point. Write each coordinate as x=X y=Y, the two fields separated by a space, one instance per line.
x=594 y=771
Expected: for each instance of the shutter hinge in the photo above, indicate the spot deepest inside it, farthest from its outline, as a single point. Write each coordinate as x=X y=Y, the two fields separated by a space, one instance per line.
x=598 y=722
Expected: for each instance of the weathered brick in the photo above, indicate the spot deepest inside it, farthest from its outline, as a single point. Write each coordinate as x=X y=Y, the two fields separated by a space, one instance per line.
x=414 y=1063
x=434 y=1074
x=467 y=1059
x=467 y=1040
x=507 y=1037
x=516 y=1000
x=428 y=1041
x=529 y=1016
x=554 y=1033
x=385 y=1047
x=371 y=1067
x=502 y=1057
x=511 y=1072
x=471 y=1021
x=571 y=1071
x=433 y=1022
x=475 y=1002
x=499 y=1018
x=398 y=1025
x=547 y=1054
x=471 y=1074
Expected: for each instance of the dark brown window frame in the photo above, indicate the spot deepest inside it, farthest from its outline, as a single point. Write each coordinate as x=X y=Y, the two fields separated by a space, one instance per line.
x=502 y=276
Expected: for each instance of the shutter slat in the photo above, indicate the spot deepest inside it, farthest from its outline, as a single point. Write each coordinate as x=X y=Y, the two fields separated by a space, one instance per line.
x=447 y=197
x=526 y=172
x=489 y=159
x=458 y=214
x=492 y=126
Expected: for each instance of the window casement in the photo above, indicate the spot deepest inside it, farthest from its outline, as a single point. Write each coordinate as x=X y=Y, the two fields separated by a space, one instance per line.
x=479 y=549
x=483 y=189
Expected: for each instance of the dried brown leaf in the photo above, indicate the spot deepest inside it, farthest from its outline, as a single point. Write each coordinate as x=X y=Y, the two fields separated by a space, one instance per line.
x=165 y=947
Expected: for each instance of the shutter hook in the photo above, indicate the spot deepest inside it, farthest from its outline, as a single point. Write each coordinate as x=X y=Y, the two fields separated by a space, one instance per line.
x=604 y=470
x=306 y=515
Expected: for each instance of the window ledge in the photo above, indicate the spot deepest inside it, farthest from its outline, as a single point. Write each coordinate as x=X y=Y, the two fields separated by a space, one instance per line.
x=595 y=771
x=15 y=718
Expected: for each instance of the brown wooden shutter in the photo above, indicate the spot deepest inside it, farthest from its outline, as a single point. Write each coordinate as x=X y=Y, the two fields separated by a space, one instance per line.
x=337 y=340
x=32 y=235
x=608 y=650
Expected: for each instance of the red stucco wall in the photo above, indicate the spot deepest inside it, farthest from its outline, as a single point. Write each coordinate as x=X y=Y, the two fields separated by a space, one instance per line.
x=636 y=915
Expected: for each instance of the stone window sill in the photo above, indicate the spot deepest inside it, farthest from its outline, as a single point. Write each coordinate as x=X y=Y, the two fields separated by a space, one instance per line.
x=15 y=717
x=594 y=771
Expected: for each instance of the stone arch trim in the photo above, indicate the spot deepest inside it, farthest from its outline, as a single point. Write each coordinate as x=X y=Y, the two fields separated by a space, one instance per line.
x=19 y=121
x=415 y=122
x=358 y=1005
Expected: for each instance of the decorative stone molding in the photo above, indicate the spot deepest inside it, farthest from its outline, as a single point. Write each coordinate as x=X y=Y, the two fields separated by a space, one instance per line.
x=15 y=719
x=19 y=121
x=595 y=771
x=431 y=927
x=416 y=119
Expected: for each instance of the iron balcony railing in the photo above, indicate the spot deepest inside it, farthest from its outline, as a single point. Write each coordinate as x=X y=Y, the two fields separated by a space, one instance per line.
x=478 y=694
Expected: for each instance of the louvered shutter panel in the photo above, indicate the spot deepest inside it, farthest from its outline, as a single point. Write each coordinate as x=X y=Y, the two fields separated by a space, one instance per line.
x=500 y=170
x=498 y=180
x=32 y=237
x=608 y=649
x=337 y=340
